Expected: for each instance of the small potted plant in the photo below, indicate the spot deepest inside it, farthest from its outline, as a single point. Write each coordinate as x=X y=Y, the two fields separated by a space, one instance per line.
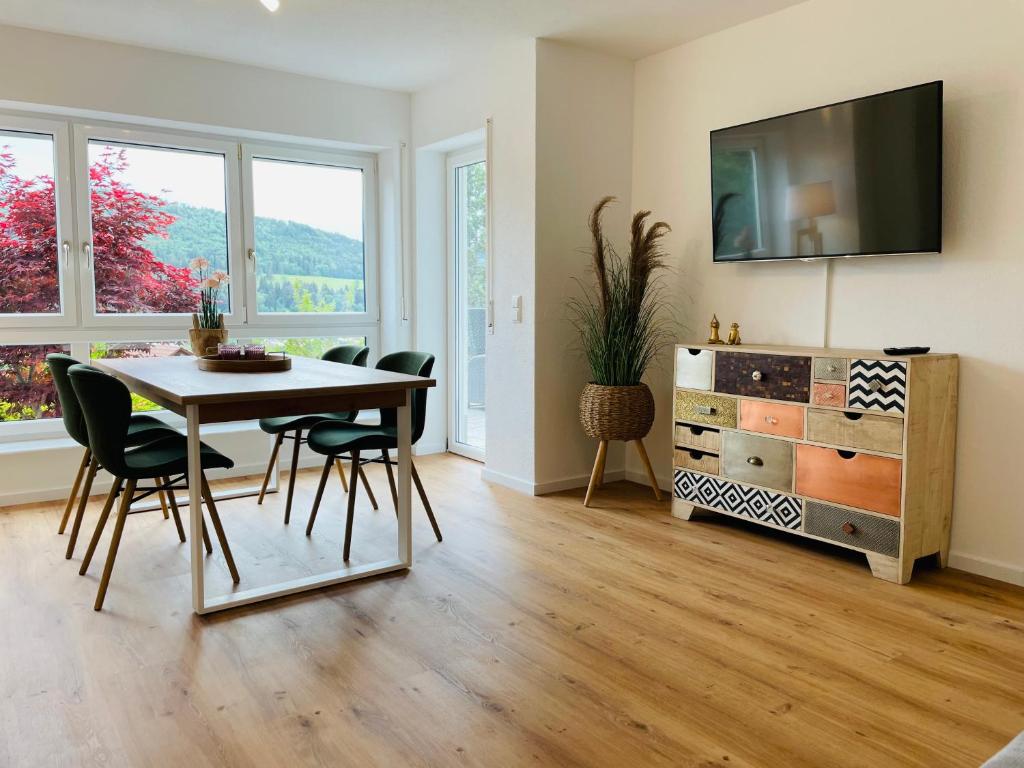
x=208 y=324
x=621 y=322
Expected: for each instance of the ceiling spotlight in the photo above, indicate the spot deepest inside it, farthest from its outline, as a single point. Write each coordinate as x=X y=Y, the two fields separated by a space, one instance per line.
x=271 y=5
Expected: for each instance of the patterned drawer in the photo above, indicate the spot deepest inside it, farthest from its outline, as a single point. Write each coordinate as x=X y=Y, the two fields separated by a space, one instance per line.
x=856 y=430
x=772 y=418
x=758 y=460
x=696 y=436
x=693 y=368
x=878 y=385
x=829 y=394
x=714 y=410
x=853 y=528
x=856 y=479
x=830 y=368
x=691 y=458
x=755 y=503
x=773 y=377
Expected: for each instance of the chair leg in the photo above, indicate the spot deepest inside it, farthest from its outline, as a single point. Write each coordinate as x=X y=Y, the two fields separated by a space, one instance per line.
x=115 y=541
x=366 y=484
x=82 y=502
x=423 y=498
x=163 y=499
x=391 y=478
x=219 y=529
x=341 y=474
x=206 y=537
x=291 y=476
x=350 y=514
x=270 y=466
x=174 y=508
x=319 y=494
x=100 y=524
x=86 y=459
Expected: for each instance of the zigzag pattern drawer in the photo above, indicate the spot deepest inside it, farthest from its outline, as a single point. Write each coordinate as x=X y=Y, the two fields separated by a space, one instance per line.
x=878 y=385
x=765 y=506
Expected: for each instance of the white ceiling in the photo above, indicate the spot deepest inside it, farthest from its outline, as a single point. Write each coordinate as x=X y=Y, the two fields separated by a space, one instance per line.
x=399 y=44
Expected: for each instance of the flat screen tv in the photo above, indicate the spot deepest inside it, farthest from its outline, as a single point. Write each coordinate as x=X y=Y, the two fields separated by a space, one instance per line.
x=856 y=178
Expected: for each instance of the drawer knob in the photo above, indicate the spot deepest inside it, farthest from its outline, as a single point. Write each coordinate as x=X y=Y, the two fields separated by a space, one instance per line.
x=770 y=420
x=849 y=529
x=874 y=385
x=832 y=368
x=706 y=410
x=757 y=375
x=755 y=461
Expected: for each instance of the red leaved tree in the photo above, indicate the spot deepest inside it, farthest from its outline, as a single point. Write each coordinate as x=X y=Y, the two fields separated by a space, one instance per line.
x=128 y=277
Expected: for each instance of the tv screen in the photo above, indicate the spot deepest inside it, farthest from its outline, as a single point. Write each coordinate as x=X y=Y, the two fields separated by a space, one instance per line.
x=851 y=179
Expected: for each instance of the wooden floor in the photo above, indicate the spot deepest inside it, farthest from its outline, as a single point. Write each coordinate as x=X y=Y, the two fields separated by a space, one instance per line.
x=538 y=633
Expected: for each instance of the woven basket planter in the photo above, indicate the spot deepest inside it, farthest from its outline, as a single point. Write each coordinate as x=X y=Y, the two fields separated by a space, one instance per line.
x=616 y=413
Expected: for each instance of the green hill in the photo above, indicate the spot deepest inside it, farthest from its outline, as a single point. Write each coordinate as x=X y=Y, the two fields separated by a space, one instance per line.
x=284 y=247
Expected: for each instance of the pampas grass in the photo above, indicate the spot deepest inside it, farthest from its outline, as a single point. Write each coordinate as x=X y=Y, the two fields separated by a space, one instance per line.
x=620 y=318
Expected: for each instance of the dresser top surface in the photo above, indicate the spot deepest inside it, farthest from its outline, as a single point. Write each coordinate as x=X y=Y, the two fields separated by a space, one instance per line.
x=769 y=349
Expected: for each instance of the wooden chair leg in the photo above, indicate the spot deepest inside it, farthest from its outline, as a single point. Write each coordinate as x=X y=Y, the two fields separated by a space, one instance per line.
x=598 y=471
x=86 y=460
x=82 y=502
x=219 y=529
x=647 y=466
x=291 y=476
x=100 y=524
x=319 y=494
x=206 y=537
x=350 y=514
x=391 y=478
x=270 y=466
x=163 y=499
x=341 y=474
x=423 y=498
x=366 y=484
x=115 y=541
x=174 y=508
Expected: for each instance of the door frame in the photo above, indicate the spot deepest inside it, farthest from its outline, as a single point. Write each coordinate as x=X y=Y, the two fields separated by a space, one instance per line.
x=454 y=161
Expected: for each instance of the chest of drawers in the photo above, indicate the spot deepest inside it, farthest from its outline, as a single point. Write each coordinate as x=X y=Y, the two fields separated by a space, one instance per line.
x=846 y=446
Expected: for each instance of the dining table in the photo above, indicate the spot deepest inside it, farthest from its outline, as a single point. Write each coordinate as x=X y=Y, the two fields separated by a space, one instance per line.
x=310 y=386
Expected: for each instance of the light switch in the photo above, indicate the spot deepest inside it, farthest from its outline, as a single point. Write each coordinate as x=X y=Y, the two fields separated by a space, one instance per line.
x=517 y=309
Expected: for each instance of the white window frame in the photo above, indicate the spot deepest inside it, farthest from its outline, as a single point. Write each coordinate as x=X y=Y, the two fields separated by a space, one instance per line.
x=322 y=320
x=456 y=160
x=83 y=135
x=67 y=266
x=80 y=326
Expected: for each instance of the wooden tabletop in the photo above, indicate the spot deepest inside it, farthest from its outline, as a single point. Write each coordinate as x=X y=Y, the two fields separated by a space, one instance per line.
x=177 y=382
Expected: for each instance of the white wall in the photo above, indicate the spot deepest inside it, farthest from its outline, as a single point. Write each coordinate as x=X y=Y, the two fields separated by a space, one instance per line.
x=966 y=300
x=92 y=77
x=584 y=152
x=502 y=87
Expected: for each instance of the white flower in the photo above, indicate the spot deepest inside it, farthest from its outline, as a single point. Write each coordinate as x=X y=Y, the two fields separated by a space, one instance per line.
x=209 y=283
x=221 y=276
x=199 y=263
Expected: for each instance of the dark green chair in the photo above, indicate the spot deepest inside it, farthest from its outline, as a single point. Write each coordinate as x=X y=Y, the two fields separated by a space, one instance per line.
x=106 y=407
x=333 y=438
x=292 y=427
x=141 y=429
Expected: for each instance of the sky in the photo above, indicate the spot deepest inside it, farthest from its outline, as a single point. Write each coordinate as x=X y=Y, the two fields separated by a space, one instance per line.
x=321 y=196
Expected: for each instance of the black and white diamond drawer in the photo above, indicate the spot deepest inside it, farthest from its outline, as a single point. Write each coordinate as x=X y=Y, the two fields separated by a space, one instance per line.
x=756 y=503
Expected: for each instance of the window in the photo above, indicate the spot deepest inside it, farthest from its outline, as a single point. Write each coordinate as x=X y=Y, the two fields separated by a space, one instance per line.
x=735 y=188
x=153 y=210
x=27 y=391
x=100 y=223
x=309 y=235
x=105 y=350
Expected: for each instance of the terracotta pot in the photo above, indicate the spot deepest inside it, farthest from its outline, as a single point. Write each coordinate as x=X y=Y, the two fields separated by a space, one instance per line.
x=616 y=413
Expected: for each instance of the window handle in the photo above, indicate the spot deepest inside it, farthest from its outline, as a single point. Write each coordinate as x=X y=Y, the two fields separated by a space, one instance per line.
x=252 y=256
x=66 y=248
x=87 y=252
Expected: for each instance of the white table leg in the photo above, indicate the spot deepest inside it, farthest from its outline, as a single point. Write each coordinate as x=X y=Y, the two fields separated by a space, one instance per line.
x=405 y=480
x=195 y=510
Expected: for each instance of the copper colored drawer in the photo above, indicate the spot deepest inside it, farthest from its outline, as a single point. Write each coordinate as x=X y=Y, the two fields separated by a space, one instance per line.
x=855 y=479
x=829 y=394
x=772 y=418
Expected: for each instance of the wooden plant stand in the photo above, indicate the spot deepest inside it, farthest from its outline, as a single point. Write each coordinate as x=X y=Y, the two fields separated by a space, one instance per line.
x=597 y=474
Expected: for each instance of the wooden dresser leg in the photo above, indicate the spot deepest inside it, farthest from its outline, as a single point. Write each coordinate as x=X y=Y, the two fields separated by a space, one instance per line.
x=684 y=510
x=890 y=568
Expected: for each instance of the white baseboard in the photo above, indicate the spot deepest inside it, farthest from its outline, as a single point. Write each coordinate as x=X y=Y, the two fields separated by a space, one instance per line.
x=983 y=566
x=425 y=449
x=640 y=478
x=580 y=481
x=500 y=478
